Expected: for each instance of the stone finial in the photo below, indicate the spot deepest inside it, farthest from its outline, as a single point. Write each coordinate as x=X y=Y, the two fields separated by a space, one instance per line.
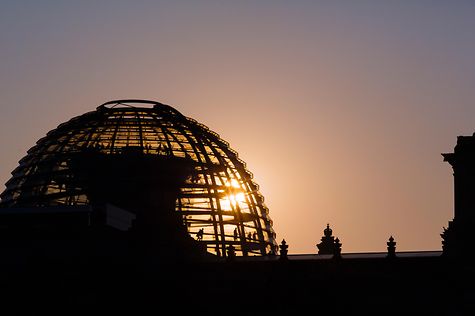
x=327 y=244
x=391 y=248
x=283 y=250
x=328 y=231
x=337 y=249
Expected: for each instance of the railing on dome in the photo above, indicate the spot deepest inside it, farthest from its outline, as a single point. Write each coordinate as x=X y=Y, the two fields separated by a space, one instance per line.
x=127 y=103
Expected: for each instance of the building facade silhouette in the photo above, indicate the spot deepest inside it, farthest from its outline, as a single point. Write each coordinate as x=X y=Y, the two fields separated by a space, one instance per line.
x=457 y=237
x=137 y=209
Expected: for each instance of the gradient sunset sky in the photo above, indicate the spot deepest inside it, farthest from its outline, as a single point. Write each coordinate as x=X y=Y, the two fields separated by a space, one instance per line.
x=340 y=108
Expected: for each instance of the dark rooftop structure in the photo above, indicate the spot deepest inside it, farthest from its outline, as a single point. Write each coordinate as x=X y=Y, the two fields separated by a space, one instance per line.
x=136 y=209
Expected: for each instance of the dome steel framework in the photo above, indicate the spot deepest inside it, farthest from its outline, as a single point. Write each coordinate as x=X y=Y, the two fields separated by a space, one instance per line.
x=219 y=202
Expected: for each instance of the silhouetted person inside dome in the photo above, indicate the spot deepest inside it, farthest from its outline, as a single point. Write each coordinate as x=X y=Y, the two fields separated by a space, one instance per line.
x=199 y=234
x=195 y=178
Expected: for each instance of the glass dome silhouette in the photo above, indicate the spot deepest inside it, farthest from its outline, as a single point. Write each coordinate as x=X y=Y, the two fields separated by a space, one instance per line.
x=219 y=202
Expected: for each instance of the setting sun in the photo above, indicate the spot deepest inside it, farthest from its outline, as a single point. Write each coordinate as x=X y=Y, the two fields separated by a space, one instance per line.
x=234 y=196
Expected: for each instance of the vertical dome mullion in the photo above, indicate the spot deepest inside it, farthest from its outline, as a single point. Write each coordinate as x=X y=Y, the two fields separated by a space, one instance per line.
x=214 y=212
x=114 y=135
x=212 y=145
x=212 y=194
